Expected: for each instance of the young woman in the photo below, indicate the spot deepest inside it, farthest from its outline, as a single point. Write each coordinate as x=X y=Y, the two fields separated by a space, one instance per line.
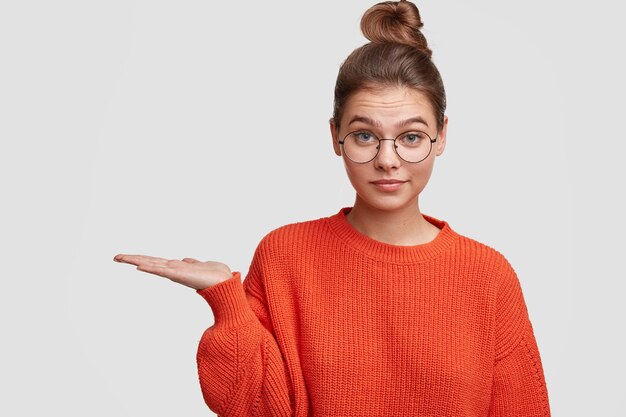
x=379 y=309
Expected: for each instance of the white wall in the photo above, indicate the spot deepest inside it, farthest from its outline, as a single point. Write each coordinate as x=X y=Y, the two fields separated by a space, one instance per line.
x=192 y=128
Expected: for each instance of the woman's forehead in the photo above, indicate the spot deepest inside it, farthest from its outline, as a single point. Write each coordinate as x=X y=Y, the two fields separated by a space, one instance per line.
x=388 y=105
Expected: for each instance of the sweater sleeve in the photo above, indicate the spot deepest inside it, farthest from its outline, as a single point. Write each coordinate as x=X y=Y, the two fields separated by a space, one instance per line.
x=240 y=366
x=519 y=387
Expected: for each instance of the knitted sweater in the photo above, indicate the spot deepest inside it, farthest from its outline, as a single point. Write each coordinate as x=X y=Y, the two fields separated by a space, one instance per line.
x=331 y=323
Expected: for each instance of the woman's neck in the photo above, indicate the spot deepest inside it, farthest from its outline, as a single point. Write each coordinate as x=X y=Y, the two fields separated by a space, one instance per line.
x=403 y=227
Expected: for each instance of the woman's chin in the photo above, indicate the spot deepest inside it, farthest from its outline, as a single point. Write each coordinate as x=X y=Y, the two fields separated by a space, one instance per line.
x=388 y=204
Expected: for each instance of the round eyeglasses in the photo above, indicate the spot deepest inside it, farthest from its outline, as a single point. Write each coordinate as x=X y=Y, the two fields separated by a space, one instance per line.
x=362 y=146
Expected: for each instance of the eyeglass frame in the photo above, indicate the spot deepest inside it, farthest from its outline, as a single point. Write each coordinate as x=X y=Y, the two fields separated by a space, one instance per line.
x=395 y=146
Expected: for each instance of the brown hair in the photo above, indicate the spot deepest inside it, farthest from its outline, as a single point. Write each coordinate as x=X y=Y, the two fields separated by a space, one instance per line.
x=397 y=55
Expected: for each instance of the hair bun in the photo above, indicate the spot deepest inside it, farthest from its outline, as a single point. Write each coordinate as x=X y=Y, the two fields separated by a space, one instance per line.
x=395 y=22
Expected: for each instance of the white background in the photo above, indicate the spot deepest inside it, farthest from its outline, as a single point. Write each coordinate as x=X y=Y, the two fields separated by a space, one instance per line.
x=193 y=128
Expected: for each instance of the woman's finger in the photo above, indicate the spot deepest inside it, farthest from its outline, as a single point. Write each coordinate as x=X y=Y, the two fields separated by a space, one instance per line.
x=137 y=259
x=159 y=270
x=190 y=260
x=174 y=269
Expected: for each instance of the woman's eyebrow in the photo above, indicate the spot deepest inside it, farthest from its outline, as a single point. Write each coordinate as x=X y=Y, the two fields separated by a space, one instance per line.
x=366 y=120
x=402 y=123
x=416 y=119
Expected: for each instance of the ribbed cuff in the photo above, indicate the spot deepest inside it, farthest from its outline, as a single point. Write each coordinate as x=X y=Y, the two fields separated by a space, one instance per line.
x=228 y=302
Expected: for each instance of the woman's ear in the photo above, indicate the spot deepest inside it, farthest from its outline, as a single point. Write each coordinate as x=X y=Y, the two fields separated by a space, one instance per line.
x=441 y=137
x=334 y=133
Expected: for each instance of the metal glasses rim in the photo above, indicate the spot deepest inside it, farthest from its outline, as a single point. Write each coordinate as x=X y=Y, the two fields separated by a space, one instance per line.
x=395 y=147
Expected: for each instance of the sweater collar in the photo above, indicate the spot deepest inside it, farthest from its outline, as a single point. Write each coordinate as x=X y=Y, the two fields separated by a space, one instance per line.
x=393 y=253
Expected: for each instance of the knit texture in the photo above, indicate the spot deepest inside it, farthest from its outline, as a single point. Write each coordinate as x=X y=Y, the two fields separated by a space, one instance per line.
x=329 y=322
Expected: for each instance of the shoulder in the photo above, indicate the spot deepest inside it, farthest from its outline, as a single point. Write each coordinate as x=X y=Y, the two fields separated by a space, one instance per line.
x=294 y=235
x=468 y=251
x=482 y=251
x=504 y=287
x=504 y=283
x=508 y=305
x=484 y=259
x=287 y=247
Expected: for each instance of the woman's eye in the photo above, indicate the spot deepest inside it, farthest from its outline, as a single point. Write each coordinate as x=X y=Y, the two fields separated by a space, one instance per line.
x=412 y=138
x=364 y=137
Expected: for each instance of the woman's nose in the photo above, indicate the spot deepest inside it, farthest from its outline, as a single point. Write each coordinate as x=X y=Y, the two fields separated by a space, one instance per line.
x=387 y=156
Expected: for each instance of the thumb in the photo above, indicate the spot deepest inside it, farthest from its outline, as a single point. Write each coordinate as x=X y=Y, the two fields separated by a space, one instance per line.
x=190 y=260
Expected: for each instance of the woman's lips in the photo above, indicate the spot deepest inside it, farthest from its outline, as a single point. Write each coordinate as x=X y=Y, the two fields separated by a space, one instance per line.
x=388 y=185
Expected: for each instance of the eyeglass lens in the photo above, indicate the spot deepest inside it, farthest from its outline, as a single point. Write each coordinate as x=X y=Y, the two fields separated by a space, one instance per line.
x=413 y=146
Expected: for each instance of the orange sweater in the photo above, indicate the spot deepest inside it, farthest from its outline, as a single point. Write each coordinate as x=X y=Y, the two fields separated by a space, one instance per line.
x=331 y=323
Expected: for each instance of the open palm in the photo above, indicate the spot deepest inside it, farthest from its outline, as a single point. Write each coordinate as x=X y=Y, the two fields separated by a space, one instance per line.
x=188 y=271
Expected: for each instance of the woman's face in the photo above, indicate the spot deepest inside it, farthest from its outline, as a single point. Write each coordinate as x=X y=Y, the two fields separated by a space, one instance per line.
x=388 y=112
